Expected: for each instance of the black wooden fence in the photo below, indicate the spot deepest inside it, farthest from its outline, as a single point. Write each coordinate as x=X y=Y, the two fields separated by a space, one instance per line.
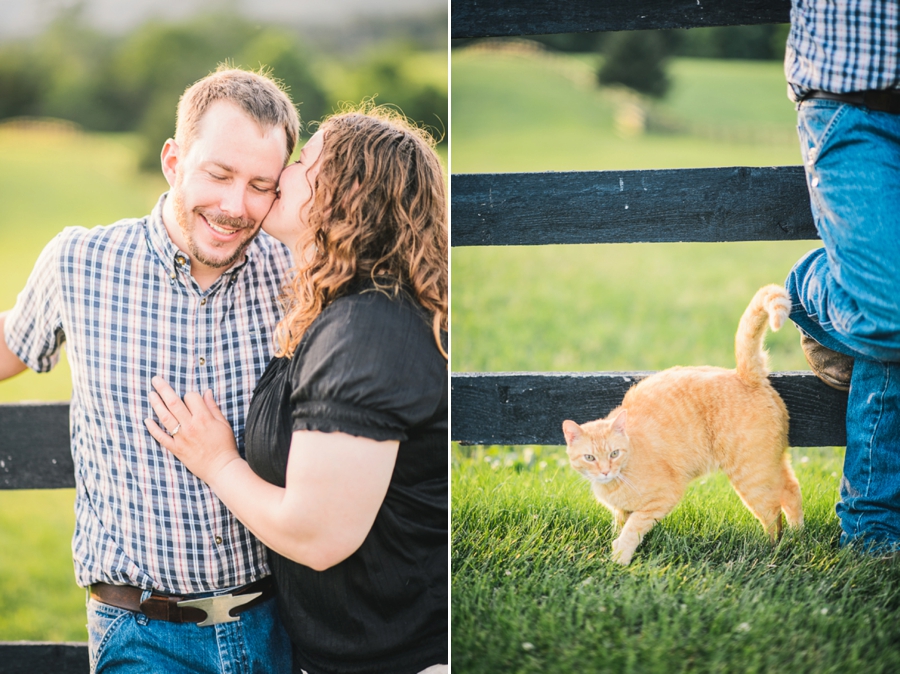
x=719 y=204
x=34 y=454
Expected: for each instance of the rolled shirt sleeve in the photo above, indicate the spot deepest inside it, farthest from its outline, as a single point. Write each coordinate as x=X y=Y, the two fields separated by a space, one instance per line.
x=34 y=328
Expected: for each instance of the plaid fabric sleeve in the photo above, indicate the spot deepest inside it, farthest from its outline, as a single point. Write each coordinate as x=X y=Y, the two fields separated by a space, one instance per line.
x=34 y=326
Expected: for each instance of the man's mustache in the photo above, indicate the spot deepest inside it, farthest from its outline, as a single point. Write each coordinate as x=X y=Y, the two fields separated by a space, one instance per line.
x=225 y=221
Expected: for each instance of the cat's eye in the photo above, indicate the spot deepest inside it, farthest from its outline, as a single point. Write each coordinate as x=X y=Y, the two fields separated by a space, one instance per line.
x=613 y=454
x=589 y=457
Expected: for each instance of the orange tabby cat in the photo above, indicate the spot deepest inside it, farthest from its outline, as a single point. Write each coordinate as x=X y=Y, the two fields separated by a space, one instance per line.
x=683 y=422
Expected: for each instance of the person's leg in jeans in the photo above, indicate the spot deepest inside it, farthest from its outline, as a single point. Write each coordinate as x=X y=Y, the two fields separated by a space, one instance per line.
x=847 y=297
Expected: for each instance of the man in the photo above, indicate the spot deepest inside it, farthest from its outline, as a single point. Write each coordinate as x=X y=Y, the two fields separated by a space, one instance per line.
x=843 y=68
x=190 y=293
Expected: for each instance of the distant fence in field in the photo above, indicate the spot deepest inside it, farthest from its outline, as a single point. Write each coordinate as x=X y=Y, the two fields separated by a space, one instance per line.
x=532 y=209
x=42 y=124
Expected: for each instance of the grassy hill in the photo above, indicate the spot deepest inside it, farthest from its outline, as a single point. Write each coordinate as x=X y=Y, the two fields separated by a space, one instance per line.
x=523 y=109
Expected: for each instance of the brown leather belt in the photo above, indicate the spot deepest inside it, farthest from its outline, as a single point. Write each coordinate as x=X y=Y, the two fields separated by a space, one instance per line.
x=880 y=100
x=209 y=610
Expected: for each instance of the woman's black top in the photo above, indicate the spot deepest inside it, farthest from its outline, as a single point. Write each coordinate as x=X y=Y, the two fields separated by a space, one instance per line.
x=367 y=366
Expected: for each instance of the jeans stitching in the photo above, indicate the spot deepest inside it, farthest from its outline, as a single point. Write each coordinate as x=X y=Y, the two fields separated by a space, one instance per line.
x=107 y=635
x=840 y=111
x=886 y=379
x=817 y=146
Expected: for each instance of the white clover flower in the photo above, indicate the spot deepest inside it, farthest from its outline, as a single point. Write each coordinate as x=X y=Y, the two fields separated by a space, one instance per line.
x=743 y=627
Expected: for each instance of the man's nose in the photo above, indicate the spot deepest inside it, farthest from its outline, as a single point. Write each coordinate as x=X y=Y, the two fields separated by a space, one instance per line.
x=233 y=202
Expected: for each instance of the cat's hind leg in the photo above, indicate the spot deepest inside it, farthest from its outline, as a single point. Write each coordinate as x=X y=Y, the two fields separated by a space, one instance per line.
x=791 y=500
x=760 y=488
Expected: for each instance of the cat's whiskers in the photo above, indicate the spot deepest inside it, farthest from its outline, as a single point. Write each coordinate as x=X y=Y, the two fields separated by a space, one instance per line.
x=629 y=483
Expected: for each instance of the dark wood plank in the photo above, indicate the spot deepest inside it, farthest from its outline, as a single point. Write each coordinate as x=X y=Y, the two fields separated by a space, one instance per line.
x=28 y=657
x=34 y=446
x=494 y=18
x=528 y=408
x=715 y=204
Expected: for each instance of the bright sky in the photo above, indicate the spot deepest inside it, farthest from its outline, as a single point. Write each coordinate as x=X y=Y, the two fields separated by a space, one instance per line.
x=28 y=17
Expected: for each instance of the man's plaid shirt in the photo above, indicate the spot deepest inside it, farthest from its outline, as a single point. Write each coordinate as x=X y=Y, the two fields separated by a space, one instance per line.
x=842 y=46
x=123 y=300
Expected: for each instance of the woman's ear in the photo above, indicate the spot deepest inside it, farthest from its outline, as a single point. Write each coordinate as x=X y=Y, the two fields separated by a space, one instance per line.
x=169 y=160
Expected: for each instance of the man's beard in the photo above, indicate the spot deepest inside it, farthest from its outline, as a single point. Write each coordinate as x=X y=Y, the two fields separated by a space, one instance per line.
x=184 y=223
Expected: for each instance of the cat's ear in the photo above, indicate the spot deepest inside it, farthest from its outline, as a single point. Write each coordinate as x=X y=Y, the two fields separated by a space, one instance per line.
x=618 y=424
x=571 y=430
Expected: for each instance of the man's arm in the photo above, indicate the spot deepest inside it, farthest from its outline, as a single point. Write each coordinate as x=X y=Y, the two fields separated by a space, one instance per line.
x=10 y=365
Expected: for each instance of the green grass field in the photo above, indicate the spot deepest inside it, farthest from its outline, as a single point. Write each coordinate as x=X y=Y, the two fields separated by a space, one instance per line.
x=533 y=590
x=532 y=587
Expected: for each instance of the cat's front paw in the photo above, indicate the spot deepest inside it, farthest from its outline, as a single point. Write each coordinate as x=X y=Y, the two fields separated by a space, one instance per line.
x=621 y=554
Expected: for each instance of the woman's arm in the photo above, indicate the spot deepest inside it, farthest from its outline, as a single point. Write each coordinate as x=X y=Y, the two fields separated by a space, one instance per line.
x=334 y=487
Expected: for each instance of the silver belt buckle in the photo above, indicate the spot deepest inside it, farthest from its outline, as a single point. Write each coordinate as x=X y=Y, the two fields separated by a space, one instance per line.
x=218 y=608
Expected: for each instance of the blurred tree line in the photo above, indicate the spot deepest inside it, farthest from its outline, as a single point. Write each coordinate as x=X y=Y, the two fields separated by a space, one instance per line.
x=133 y=82
x=637 y=59
x=763 y=42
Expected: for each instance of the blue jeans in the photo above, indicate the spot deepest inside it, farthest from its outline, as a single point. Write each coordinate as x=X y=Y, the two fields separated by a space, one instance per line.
x=124 y=642
x=846 y=296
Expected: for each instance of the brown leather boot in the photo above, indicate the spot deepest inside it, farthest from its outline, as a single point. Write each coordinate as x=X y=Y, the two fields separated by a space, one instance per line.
x=831 y=367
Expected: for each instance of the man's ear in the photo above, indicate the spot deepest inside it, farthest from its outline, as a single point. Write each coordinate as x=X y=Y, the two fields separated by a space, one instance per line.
x=169 y=159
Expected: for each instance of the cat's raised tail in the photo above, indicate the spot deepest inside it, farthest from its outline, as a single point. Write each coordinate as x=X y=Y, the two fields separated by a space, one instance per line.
x=771 y=304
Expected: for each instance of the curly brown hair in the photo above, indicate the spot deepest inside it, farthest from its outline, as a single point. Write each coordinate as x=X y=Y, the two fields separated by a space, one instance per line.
x=379 y=211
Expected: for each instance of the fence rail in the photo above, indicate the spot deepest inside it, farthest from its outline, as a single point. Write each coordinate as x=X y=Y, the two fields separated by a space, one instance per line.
x=34 y=447
x=35 y=454
x=500 y=18
x=528 y=408
x=36 y=657
x=714 y=204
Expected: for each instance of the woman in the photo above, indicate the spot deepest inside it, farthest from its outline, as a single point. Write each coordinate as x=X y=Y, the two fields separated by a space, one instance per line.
x=346 y=437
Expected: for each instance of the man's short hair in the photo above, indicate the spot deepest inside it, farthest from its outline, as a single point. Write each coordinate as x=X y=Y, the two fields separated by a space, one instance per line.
x=256 y=93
